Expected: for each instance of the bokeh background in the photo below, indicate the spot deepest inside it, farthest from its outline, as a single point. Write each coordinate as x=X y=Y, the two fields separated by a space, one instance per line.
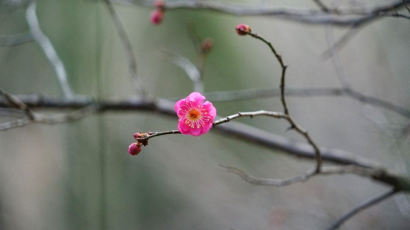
x=80 y=176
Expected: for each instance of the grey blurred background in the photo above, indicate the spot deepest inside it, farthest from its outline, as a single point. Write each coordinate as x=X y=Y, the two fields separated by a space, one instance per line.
x=80 y=176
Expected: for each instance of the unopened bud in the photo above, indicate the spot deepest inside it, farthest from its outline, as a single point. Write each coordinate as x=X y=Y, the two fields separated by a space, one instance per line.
x=207 y=45
x=243 y=29
x=134 y=148
x=156 y=16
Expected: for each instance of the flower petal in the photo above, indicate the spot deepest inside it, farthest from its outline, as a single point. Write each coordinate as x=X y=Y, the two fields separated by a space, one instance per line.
x=196 y=97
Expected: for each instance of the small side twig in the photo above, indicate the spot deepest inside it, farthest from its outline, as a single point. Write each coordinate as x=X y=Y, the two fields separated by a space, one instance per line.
x=40 y=118
x=268 y=181
x=15 y=102
x=48 y=49
x=362 y=207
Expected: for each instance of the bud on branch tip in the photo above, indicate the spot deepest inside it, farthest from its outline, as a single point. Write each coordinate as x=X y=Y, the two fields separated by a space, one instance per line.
x=243 y=29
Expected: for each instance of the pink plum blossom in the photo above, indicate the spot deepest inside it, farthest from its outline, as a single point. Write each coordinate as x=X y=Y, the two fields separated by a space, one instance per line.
x=195 y=116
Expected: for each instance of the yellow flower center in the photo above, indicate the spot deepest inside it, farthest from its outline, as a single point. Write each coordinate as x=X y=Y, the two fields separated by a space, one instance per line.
x=194 y=114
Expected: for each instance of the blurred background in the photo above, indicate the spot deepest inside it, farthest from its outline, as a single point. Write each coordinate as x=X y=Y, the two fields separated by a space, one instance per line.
x=79 y=175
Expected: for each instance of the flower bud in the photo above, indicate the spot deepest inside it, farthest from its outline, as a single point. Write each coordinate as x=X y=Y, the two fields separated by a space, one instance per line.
x=134 y=148
x=156 y=16
x=207 y=45
x=243 y=29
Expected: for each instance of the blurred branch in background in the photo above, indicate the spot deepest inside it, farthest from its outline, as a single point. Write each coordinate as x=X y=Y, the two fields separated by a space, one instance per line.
x=32 y=117
x=189 y=68
x=48 y=49
x=16 y=39
x=347 y=18
x=23 y=108
x=165 y=107
x=249 y=94
x=132 y=61
x=361 y=207
x=321 y=5
x=241 y=131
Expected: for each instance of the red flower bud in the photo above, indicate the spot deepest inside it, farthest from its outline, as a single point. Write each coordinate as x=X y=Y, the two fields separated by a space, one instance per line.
x=207 y=45
x=134 y=148
x=156 y=16
x=243 y=29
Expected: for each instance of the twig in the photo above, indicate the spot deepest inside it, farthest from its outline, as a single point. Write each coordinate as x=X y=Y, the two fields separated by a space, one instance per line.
x=221 y=121
x=132 y=62
x=48 y=49
x=333 y=52
x=362 y=207
x=268 y=181
x=376 y=174
x=342 y=41
x=16 y=103
x=15 y=40
x=292 y=122
x=321 y=5
x=40 y=118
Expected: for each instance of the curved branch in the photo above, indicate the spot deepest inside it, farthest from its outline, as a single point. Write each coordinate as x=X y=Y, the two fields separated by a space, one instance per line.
x=293 y=124
x=48 y=49
x=362 y=207
x=132 y=62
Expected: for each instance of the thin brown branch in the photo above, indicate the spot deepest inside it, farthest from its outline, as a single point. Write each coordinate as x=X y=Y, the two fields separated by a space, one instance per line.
x=362 y=207
x=293 y=125
x=132 y=62
x=17 y=103
x=220 y=121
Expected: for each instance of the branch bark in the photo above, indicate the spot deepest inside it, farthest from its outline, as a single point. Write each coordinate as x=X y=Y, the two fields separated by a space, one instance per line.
x=243 y=132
